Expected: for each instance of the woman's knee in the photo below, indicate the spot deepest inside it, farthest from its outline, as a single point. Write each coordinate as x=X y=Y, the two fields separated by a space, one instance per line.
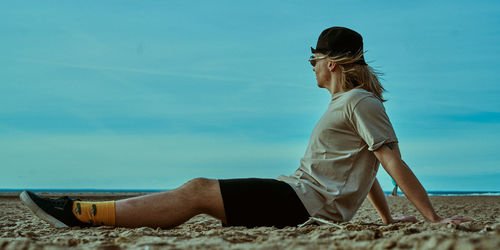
x=199 y=183
x=200 y=187
x=204 y=192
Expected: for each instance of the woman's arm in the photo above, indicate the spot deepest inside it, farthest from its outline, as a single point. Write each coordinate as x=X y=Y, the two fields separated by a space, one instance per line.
x=390 y=158
x=377 y=198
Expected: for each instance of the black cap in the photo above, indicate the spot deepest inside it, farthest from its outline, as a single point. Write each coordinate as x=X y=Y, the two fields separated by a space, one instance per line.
x=339 y=41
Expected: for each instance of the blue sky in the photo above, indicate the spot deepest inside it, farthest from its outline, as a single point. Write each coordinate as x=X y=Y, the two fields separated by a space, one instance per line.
x=149 y=94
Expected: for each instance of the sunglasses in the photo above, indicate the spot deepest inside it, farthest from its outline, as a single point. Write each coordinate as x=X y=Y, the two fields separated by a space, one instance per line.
x=314 y=59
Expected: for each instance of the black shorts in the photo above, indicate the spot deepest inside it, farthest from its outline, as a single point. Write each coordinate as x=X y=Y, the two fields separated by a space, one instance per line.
x=257 y=202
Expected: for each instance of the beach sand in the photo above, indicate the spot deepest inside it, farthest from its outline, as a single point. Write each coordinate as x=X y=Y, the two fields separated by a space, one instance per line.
x=19 y=229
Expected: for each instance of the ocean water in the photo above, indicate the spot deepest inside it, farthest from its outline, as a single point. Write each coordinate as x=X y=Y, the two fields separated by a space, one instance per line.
x=118 y=191
x=454 y=193
x=69 y=191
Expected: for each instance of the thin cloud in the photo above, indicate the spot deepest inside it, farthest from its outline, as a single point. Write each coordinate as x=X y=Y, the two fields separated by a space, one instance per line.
x=157 y=72
x=123 y=69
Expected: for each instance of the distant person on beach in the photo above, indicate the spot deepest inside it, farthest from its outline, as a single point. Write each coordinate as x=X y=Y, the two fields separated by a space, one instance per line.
x=395 y=190
x=336 y=174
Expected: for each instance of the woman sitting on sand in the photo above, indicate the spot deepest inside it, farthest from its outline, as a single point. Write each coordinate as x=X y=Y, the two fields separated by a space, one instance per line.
x=337 y=172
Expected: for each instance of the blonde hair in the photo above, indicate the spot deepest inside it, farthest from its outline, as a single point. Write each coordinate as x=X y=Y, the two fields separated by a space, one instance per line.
x=354 y=75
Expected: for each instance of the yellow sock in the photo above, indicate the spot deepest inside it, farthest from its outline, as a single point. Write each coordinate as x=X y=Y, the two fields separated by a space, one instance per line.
x=97 y=213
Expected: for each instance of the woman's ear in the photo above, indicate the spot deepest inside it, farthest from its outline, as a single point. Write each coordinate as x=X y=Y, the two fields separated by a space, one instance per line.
x=331 y=66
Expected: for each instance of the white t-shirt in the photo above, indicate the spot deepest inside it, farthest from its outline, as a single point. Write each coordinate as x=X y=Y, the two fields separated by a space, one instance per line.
x=339 y=167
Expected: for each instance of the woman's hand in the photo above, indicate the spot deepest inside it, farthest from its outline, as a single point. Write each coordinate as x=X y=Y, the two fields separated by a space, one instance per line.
x=411 y=219
x=454 y=220
x=405 y=219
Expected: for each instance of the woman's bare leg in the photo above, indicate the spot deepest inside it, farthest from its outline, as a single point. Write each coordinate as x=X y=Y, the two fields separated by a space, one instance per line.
x=171 y=208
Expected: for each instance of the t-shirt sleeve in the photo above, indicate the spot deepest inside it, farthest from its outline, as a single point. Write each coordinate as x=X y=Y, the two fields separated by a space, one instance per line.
x=371 y=122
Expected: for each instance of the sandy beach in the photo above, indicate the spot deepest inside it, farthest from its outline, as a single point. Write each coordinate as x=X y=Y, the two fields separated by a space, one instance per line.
x=19 y=229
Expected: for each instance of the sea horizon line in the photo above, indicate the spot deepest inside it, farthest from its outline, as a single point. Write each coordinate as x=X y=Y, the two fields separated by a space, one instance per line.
x=129 y=191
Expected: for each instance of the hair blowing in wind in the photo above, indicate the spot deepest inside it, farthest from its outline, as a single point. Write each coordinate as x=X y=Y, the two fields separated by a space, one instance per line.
x=355 y=75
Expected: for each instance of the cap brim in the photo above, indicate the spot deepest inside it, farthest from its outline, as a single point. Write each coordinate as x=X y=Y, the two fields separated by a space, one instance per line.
x=313 y=50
